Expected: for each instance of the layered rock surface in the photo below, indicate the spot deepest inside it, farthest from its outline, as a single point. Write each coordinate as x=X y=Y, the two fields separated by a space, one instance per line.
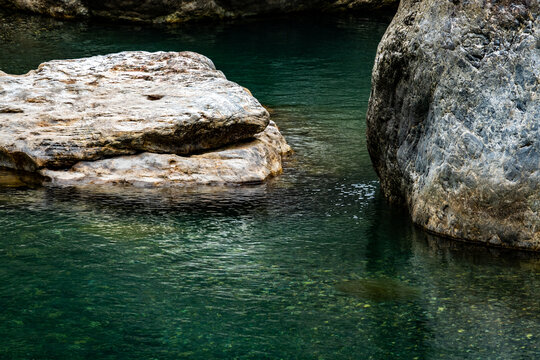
x=454 y=118
x=171 y=11
x=250 y=162
x=79 y=117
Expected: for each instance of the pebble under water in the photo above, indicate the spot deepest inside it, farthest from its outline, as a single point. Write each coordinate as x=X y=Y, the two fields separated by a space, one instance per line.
x=311 y=265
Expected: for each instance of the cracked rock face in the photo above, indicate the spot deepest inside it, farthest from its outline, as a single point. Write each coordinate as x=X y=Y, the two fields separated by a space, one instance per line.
x=249 y=162
x=454 y=118
x=89 y=109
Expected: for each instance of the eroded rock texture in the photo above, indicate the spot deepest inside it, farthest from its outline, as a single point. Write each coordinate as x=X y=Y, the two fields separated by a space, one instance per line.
x=180 y=119
x=68 y=111
x=454 y=118
x=171 y=11
x=249 y=162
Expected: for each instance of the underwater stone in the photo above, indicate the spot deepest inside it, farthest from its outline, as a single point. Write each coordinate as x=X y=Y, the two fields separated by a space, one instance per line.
x=453 y=130
x=378 y=289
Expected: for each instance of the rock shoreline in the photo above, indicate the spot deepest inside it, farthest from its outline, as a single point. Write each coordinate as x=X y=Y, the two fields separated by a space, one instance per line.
x=166 y=11
x=137 y=118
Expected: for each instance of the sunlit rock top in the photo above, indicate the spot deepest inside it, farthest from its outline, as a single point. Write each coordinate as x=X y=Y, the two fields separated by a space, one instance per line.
x=88 y=109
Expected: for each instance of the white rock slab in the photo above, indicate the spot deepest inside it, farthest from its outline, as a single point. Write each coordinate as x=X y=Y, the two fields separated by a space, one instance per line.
x=94 y=108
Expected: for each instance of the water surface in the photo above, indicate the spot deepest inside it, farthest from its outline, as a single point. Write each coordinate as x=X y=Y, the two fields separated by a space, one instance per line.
x=311 y=265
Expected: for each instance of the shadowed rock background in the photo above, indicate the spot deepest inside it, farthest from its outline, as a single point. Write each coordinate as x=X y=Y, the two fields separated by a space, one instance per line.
x=454 y=115
x=171 y=11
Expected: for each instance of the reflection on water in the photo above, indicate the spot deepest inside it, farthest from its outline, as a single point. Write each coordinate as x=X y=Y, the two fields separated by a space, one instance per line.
x=311 y=265
x=487 y=298
x=378 y=289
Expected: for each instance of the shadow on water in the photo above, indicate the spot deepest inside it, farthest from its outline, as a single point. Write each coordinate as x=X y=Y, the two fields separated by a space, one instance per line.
x=450 y=250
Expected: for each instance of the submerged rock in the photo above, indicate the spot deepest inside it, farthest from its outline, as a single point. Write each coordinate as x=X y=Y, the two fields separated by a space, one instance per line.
x=68 y=111
x=16 y=179
x=177 y=117
x=379 y=289
x=453 y=125
x=249 y=162
x=185 y=10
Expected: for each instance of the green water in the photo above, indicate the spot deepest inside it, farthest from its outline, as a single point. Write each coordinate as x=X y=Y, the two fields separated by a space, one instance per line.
x=312 y=265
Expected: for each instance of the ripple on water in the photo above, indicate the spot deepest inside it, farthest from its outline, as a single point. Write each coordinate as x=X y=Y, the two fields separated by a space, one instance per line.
x=378 y=289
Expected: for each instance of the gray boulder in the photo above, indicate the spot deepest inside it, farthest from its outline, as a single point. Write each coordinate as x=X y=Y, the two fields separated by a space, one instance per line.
x=453 y=124
x=88 y=109
x=171 y=11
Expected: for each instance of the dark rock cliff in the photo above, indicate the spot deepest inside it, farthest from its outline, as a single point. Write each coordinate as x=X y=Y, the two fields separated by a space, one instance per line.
x=171 y=11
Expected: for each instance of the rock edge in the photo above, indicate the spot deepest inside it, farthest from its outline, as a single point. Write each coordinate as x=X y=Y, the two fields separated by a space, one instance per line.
x=249 y=162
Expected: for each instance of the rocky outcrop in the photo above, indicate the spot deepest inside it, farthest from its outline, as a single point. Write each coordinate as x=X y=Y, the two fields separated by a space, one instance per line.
x=454 y=118
x=75 y=121
x=171 y=11
x=63 y=9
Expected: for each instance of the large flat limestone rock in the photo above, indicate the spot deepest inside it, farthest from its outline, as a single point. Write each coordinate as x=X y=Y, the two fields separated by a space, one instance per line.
x=68 y=111
x=248 y=162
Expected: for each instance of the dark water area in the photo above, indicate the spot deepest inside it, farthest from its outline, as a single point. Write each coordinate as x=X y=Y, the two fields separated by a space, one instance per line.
x=311 y=265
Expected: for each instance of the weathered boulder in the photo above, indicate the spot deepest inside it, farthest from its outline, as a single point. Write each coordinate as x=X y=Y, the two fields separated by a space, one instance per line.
x=88 y=109
x=171 y=11
x=453 y=125
x=249 y=162
x=135 y=118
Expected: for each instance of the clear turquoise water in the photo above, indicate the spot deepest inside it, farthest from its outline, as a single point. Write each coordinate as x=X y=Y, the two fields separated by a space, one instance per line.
x=250 y=272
